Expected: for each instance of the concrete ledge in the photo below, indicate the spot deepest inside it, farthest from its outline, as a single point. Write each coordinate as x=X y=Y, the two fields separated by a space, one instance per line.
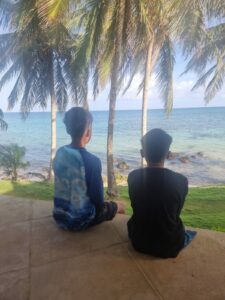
x=40 y=262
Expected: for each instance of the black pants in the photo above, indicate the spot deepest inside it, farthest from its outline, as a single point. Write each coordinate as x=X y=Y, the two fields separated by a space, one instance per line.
x=106 y=213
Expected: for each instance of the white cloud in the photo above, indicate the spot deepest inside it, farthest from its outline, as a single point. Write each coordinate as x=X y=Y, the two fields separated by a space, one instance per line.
x=184 y=85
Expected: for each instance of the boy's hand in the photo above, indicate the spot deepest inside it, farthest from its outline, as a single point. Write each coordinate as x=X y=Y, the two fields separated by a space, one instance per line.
x=120 y=208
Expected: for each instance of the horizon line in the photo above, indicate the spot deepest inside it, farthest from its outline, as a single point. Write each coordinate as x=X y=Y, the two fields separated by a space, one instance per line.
x=138 y=109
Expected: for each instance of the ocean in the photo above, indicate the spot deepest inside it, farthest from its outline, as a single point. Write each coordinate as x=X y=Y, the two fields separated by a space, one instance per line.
x=193 y=130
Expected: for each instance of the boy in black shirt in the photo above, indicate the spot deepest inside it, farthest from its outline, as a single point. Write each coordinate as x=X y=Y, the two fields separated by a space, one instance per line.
x=157 y=197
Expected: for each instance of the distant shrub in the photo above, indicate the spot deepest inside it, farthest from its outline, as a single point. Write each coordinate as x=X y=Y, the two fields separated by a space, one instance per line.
x=11 y=160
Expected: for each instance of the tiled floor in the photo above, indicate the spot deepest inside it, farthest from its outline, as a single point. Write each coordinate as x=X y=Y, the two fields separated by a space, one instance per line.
x=40 y=262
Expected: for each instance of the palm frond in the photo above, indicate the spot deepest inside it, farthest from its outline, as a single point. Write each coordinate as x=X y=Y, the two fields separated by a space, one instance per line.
x=191 y=27
x=202 y=80
x=16 y=92
x=51 y=10
x=60 y=87
x=164 y=73
x=10 y=73
x=6 y=41
x=8 y=9
x=208 y=48
x=133 y=71
x=215 y=9
x=28 y=99
x=3 y=124
x=216 y=82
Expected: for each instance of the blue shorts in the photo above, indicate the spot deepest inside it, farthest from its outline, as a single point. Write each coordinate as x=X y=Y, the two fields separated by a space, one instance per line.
x=189 y=235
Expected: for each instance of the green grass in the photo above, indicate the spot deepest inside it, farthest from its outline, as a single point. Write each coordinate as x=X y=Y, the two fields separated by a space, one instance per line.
x=204 y=207
x=25 y=189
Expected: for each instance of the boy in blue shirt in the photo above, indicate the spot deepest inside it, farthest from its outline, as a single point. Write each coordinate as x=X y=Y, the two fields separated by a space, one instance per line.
x=79 y=194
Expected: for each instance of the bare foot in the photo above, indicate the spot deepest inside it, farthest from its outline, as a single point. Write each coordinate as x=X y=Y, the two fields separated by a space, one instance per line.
x=120 y=208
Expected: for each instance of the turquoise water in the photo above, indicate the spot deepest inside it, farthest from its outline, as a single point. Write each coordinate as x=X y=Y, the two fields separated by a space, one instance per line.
x=193 y=130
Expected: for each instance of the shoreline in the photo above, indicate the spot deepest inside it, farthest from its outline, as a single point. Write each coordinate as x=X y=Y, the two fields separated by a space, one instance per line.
x=120 y=182
x=204 y=133
x=195 y=166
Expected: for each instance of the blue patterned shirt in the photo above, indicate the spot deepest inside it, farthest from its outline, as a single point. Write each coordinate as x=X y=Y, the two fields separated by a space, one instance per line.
x=78 y=191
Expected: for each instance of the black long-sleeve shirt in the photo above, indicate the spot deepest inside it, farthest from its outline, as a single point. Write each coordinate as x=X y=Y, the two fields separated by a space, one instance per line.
x=157 y=196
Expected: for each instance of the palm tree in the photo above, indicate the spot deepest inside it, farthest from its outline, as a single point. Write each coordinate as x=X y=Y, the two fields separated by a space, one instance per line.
x=112 y=32
x=3 y=124
x=119 y=15
x=11 y=159
x=37 y=50
x=155 y=52
x=206 y=43
x=106 y=26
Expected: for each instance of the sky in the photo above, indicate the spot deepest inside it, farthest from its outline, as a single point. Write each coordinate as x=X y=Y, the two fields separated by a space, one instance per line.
x=183 y=96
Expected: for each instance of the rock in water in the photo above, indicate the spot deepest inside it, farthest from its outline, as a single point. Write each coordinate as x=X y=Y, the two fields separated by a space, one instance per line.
x=173 y=155
x=122 y=165
x=184 y=159
x=199 y=154
x=36 y=175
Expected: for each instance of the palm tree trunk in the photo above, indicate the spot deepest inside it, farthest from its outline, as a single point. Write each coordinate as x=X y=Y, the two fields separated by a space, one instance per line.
x=53 y=134
x=112 y=187
x=85 y=104
x=15 y=175
x=147 y=78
